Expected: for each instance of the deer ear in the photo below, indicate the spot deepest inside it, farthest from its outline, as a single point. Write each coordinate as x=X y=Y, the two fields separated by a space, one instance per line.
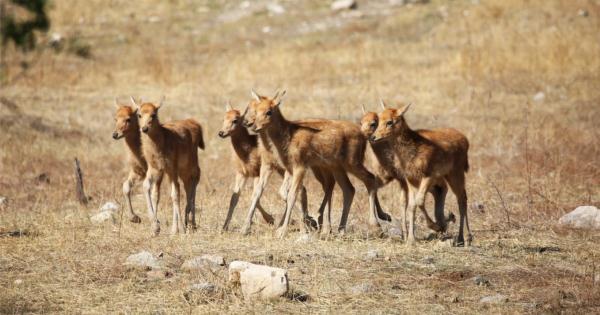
x=362 y=106
x=228 y=107
x=161 y=103
x=382 y=103
x=116 y=104
x=279 y=98
x=254 y=94
x=404 y=109
x=246 y=110
x=134 y=103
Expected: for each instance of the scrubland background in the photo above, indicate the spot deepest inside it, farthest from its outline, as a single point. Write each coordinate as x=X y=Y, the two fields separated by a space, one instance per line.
x=520 y=78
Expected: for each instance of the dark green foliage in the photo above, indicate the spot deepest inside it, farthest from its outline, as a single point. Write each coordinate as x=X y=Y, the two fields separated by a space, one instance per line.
x=22 y=33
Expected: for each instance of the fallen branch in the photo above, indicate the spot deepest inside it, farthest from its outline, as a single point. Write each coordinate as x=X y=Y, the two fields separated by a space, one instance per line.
x=81 y=197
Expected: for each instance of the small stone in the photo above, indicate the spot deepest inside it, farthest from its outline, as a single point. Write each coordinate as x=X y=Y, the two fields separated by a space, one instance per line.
x=397 y=2
x=158 y=274
x=203 y=287
x=428 y=260
x=583 y=217
x=372 y=254
x=444 y=243
x=597 y=278
x=3 y=201
x=494 y=299
x=258 y=281
x=395 y=232
x=454 y=299
x=18 y=281
x=481 y=281
x=304 y=238
x=109 y=206
x=344 y=5
x=104 y=216
x=275 y=8
x=539 y=96
x=583 y=13
x=362 y=288
x=266 y=29
x=212 y=262
x=143 y=259
x=477 y=206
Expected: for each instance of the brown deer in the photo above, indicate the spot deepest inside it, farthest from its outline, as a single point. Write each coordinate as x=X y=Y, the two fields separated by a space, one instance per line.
x=384 y=163
x=172 y=149
x=337 y=147
x=425 y=160
x=126 y=126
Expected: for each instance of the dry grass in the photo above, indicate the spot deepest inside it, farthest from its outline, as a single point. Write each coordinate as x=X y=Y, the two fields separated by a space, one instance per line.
x=475 y=67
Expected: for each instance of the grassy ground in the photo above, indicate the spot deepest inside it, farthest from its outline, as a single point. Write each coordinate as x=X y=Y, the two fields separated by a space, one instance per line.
x=475 y=66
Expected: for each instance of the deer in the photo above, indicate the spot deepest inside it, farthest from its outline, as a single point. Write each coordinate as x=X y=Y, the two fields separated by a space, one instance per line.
x=336 y=147
x=425 y=160
x=127 y=126
x=383 y=163
x=170 y=149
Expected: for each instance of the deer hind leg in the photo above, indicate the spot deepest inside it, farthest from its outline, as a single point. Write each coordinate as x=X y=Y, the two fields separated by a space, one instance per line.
x=178 y=214
x=327 y=182
x=127 y=185
x=151 y=181
x=372 y=185
x=403 y=207
x=297 y=177
x=266 y=217
x=189 y=186
x=240 y=180
x=439 y=192
x=348 y=195
x=456 y=180
x=265 y=172
x=381 y=215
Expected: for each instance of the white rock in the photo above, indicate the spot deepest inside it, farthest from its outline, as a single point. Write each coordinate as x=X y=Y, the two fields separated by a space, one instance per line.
x=539 y=96
x=275 y=8
x=205 y=261
x=103 y=216
x=583 y=217
x=343 y=5
x=109 y=206
x=143 y=259
x=372 y=254
x=258 y=281
x=397 y=2
x=3 y=201
x=362 y=288
x=304 y=238
x=18 y=281
x=494 y=299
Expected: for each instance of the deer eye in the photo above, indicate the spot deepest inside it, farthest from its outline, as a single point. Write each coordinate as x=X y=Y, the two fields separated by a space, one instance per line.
x=389 y=123
x=139 y=115
x=269 y=113
x=153 y=115
x=235 y=121
x=127 y=120
x=373 y=125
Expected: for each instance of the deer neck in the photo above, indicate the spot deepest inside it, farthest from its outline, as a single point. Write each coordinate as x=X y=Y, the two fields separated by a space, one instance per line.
x=154 y=139
x=407 y=144
x=280 y=132
x=133 y=142
x=243 y=142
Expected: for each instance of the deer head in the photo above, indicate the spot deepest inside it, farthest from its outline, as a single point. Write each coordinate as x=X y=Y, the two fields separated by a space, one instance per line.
x=391 y=122
x=126 y=121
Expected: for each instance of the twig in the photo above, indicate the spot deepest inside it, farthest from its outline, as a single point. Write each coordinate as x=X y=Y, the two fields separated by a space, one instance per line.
x=81 y=197
x=527 y=166
x=502 y=201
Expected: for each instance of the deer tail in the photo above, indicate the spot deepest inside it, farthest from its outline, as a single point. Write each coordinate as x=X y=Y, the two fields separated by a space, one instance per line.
x=200 y=138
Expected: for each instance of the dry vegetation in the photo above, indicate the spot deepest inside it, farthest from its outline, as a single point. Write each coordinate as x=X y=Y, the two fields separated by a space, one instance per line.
x=476 y=67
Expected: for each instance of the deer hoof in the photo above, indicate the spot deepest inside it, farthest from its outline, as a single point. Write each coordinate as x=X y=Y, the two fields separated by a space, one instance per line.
x=280 y=233
x=156 y=228
x=245 y=230
x=135 y=219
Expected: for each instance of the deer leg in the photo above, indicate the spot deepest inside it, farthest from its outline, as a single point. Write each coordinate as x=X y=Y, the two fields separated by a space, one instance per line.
x=265 y=172
x=457 y=184
x=439 y=192
x=297 y=177
x=190 y=207
x=156 y=192
x=404 y=207
x=192 y=210
x=267 y=217
x=348 y=195
x=418 y=200
x=131 y=179
x=327 y=183
x=240 y=180
x=178 y=214
x=283 y=192
x=381 y=215
x=150 y=181
x=372 y=185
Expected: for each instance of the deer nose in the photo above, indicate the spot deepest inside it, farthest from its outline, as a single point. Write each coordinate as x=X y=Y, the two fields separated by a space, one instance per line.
x=115 y=135
x=372 y=138
x=221 y=134
x=247 y=123
x=145 y=129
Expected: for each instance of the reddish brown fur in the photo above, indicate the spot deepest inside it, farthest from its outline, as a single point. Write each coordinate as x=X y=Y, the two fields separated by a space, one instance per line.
x=335 y=146
x=172 y=149
x=381 y=160
x=424 y=158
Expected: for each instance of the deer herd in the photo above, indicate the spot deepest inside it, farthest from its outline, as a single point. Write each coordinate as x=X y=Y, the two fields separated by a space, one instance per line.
x=379 y=150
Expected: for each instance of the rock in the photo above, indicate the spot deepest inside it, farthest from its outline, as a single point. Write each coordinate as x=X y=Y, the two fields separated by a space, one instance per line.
x=583 y=217
x=344 y=5
x=494 y=299
x=275 y=8
x=481 y=281
x=3 y=201
x=258 y=281
x=144 y=259
x=157 y=274
x=428 y=260
x=362 y=288
x=372 y=254
x=583 y=13
x=444 y=243
x=539 y=96
x=212 y=262
x=109 y=206
x=103 y=216
x=304 y=238
x=18 y=281
x=397 y=2
x=203 y=287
